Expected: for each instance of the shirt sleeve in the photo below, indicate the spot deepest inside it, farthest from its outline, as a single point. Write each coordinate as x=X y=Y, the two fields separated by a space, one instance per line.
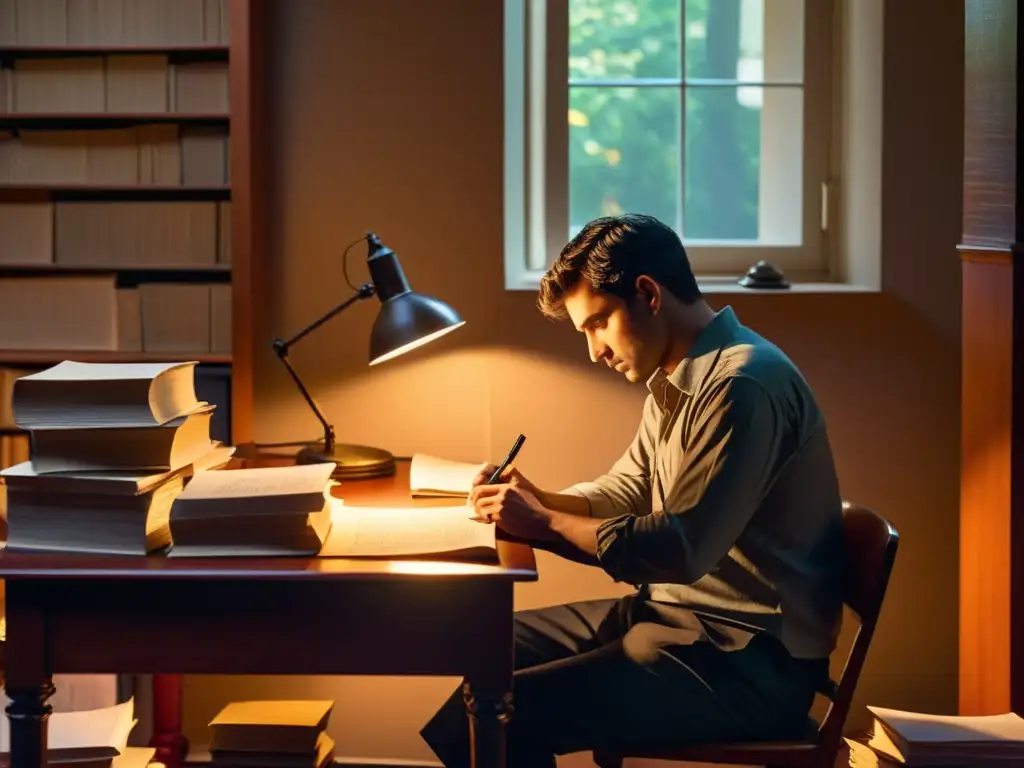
x=731 y=456
x=626 y=488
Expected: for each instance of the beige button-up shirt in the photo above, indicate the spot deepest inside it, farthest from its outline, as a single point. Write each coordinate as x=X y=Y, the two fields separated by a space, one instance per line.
x=727 y=501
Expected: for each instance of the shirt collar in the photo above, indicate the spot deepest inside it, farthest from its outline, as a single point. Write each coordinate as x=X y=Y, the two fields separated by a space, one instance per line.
x=719 y=333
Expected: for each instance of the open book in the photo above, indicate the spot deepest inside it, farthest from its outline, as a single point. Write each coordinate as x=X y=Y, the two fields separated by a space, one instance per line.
x=431 y=476
x=443 y=532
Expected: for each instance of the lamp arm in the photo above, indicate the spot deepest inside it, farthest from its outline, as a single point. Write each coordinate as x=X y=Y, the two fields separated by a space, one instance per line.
x=281 y=347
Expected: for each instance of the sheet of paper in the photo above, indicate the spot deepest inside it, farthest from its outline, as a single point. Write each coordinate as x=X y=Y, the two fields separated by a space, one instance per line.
x=404 y=531
x=430 y=473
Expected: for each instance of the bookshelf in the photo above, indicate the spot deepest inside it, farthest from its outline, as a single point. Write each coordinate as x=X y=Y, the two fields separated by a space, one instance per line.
x=227 y=51
x=107 y=122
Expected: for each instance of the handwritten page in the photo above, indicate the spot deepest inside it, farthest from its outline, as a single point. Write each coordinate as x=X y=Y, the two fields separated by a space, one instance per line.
x=407 y=531
x=433 y=476
x=298 y=489
x=262 y=481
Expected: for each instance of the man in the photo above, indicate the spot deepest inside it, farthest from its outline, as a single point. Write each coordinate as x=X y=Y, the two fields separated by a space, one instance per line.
x=725 y=513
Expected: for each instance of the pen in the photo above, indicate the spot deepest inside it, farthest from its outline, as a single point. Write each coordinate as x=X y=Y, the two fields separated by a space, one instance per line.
x=508 y=460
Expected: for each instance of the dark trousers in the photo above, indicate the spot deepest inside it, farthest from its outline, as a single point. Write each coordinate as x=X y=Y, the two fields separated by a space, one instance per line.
x=615 y=673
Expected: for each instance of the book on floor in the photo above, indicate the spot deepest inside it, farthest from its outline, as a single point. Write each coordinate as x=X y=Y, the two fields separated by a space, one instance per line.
x=254 y=512
x=383 y=532
x=921 y=739
x=430 y=476
x=322 y=755
x=272 y=728
x=74 y=394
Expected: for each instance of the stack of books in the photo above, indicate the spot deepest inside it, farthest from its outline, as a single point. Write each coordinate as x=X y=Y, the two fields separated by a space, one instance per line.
x=94 y=738
x=272 y=734
x=254 y=512
x=112 y=445
x=915 y=739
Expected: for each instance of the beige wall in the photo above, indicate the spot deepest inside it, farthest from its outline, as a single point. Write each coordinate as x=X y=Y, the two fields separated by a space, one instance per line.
x=390 y=118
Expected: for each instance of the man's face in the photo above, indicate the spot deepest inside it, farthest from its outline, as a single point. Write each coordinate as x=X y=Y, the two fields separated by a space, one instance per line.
x=626 y=338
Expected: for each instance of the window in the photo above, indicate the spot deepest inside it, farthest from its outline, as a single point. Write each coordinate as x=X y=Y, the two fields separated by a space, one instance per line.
x=713 y=115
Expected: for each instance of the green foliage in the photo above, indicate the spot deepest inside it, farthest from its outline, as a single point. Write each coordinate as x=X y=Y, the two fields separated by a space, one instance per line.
x=625 y=150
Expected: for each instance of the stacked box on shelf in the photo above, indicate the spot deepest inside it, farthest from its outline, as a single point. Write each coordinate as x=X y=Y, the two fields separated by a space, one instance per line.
x=115 y=179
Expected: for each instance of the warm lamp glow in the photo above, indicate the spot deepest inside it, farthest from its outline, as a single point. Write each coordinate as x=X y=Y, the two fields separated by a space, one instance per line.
x=431 y=567
x=418 y=343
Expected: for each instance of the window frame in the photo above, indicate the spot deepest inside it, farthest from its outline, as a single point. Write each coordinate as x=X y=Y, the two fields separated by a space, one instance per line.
x=536 y=149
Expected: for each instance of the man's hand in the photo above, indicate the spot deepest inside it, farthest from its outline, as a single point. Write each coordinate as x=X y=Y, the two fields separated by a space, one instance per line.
x=515 y=510
x=511 y=475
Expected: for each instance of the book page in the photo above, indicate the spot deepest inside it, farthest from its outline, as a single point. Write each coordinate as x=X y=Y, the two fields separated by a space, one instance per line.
x=405 y=531
x=263 y=481
x=429 y=473
x=922 y=727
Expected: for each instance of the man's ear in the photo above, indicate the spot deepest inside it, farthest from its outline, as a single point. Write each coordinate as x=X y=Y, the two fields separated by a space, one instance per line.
x=649 y=293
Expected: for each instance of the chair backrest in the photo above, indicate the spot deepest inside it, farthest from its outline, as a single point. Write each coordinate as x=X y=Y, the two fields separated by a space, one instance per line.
x=871 y=543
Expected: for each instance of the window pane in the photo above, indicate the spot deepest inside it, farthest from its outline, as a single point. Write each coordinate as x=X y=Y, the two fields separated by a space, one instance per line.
x=624 y=153
x=751 y=41
x=616 y=39
x=744 y=169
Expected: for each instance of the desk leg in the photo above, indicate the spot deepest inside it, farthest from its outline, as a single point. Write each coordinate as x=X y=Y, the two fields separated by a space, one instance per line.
x=28 y=679
x=29 y=713
x=489 y=710
x=171 y=745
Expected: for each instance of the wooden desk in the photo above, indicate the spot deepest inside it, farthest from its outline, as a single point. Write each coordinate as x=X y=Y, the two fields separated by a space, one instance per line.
x=98 y=614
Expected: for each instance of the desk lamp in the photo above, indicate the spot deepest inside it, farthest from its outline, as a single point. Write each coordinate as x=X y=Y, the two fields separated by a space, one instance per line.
x=405 y=321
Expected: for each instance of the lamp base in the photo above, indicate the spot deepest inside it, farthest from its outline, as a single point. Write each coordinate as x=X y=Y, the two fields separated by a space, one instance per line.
x=354 y=462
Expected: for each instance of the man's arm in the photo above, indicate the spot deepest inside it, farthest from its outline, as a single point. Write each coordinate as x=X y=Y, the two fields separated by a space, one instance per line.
x=576 y=505
x=733 y=454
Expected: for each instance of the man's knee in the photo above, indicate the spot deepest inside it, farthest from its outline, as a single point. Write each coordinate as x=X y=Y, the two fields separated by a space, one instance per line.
x=644 y=644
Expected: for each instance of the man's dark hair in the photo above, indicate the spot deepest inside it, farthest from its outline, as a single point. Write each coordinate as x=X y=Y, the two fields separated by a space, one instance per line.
x=610 y=253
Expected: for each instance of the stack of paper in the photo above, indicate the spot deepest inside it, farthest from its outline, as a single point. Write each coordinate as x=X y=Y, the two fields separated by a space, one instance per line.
x=935 y=741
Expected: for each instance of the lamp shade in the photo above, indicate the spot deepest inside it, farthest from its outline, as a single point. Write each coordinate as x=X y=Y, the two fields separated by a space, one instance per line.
x=406 y=319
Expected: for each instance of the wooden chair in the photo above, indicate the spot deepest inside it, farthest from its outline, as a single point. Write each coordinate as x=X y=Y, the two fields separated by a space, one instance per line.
x=871 y=544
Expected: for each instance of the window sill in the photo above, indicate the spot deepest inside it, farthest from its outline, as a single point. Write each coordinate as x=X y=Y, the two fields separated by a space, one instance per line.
x=719 y=286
